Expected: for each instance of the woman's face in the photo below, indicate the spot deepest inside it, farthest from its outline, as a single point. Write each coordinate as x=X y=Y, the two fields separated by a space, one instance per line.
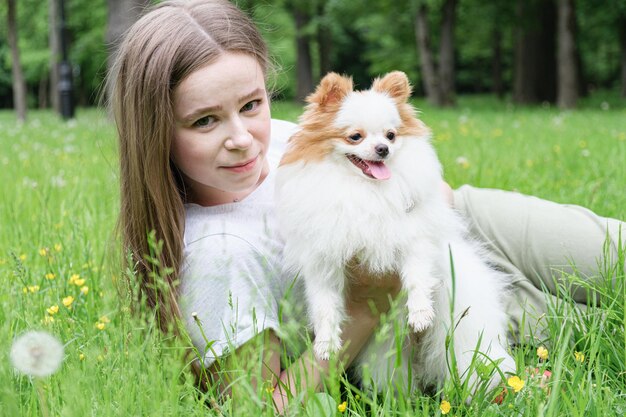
x=222 y=129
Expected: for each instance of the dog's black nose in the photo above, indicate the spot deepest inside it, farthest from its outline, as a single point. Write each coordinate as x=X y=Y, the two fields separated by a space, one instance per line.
x=382 y=150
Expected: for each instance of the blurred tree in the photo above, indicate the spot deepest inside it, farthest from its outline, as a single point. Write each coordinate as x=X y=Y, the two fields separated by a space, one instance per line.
x=19 y=85
x=621 y=25
x=439 y=79
x=535 y=52
x=55 y=54
x=302 y=12
x=567 y=62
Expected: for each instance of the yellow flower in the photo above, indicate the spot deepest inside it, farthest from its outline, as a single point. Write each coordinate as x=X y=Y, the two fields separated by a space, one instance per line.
x=84 y=289
x=48 y=320
x=33 y=288
x=25 y=290
x=579 y=357
x=81 y=356
x=50 y=276
x=79 y=282
x=23 y=257
x=342 y=407
x=73 y=278
x=58 y=247
x=445 y=407
x=67 y=301
x=542 y=352
x=52 y=310
x=100 y=325
x=516 y=383
x=100 y=358
x=43 y=251
x=269 y=389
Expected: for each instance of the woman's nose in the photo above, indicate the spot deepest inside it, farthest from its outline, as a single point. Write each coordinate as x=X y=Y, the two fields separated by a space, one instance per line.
x=239 y=136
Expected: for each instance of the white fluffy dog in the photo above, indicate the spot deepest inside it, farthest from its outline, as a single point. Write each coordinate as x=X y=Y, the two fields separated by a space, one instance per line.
x=361 y=181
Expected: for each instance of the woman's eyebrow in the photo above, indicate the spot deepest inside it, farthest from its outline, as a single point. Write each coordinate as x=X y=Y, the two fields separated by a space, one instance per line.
x=257 y=92
x=191 y=117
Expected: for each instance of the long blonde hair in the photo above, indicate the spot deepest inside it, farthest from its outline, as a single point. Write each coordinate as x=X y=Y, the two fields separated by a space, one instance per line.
x=172 y=40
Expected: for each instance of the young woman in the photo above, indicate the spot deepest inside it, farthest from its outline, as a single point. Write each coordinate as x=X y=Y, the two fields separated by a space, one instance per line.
x=190 y=100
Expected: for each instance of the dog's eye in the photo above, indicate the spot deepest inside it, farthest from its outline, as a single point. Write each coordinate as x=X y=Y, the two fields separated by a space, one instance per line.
x=356 y=137
x=391 y=135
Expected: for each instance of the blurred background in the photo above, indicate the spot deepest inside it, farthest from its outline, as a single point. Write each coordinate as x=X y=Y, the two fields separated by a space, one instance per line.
x=54 y=53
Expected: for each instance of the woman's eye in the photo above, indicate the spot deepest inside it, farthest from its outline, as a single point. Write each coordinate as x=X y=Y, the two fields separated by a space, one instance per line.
x=356 y=137
x=251 y=105
x=204 y=121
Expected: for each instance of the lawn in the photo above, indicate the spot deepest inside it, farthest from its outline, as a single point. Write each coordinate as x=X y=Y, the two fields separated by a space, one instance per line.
x=59 y=207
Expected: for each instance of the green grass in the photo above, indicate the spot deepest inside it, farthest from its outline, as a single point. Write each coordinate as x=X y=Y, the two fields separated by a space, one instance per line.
x=59 y=206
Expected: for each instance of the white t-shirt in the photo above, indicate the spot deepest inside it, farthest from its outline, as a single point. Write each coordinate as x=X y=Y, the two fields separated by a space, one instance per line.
x=232 y=272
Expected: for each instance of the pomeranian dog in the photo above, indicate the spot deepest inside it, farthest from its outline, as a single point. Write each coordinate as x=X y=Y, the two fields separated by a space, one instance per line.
x=361 y=182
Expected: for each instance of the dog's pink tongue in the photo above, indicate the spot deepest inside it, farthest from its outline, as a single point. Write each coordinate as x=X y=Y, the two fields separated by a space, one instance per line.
x=378 y=170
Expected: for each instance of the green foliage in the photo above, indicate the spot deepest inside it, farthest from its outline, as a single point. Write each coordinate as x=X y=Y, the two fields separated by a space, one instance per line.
x=368 y=39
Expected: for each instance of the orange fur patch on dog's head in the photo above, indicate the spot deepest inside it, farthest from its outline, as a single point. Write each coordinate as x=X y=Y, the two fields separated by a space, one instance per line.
x=396 y=85
x=311 y=143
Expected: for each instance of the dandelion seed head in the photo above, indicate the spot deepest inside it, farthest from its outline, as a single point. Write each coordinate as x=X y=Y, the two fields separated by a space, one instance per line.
x=462 y=161
x=37 y=353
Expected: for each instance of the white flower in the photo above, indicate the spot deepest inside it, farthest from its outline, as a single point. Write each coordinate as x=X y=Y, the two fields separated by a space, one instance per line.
x=37 y=353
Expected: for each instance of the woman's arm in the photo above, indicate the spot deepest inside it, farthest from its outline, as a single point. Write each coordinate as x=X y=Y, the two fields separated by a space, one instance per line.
x=309 y=370
x=367 y=298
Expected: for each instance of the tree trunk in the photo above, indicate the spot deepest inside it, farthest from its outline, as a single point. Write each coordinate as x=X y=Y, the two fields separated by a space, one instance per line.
x=19 y=85
x=324 y=41
x=496 y=63
x=304 y=66
x=427 y=63
x=446 y=53
x=55 y=54
x=42 y=92
x=566 y=62
x=534 y=77
x=121 y=15
x=622 y=43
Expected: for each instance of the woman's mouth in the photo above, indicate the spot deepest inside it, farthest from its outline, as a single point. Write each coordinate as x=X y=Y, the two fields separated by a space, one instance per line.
x=244 y=166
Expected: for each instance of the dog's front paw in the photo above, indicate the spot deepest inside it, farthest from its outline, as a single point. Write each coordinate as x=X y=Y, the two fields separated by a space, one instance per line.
x=421 y=319
x=324 y=348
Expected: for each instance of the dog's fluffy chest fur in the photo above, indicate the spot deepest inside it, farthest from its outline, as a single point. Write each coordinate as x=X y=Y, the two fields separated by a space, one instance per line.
x=341 y=214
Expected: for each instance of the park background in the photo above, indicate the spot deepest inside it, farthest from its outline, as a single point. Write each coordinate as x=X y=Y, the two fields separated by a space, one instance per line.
x=524 y=51
x=520 y=95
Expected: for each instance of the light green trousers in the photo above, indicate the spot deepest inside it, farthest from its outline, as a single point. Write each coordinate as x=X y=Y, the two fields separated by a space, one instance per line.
x=538 y=243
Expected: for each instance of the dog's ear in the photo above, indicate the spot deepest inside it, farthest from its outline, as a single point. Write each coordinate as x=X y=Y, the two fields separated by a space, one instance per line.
x=395 y=84
x=332 y=89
